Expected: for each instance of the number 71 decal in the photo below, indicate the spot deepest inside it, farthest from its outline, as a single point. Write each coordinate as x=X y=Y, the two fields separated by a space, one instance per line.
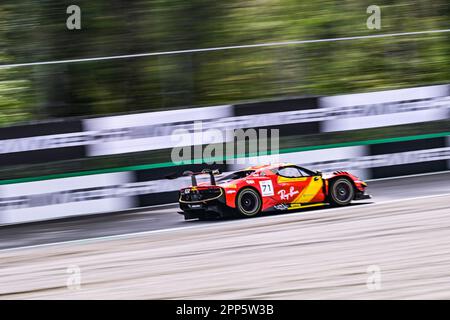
x=266 y=188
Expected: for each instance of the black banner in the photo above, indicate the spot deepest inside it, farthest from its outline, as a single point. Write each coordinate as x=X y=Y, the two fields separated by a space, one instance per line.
x=282 y=107
x=406 y=151
x=40 y=143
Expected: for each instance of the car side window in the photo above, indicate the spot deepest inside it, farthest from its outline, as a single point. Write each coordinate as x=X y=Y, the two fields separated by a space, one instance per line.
x=290 y=172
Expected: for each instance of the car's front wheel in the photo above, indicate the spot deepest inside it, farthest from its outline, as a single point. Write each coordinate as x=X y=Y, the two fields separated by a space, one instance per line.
x=342 y=192
x=248 y=203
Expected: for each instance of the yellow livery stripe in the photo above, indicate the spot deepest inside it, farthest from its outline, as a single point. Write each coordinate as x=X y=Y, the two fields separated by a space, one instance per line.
x=298 y=206
x=310 y=191
x=284 y=180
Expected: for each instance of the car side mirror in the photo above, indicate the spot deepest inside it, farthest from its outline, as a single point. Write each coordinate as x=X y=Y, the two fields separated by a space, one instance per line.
x=319 y=173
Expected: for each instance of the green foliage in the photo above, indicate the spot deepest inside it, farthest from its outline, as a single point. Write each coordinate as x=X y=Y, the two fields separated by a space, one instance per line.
x=36 y=31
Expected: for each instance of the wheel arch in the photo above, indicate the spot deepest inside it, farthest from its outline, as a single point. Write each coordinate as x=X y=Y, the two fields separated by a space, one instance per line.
x=248 y=187
x=333 y=179
x=252 y=188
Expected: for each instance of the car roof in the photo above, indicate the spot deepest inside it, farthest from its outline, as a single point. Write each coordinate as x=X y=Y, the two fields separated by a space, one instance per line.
x=269 y=166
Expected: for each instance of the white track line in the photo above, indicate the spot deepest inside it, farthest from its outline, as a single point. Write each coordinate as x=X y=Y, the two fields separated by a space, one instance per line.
x=258 y=45
x=143 y=233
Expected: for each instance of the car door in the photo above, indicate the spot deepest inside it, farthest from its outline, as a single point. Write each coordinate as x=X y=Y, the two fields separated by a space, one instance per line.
x=290 y=183
x=314 y=190
x=295 y=185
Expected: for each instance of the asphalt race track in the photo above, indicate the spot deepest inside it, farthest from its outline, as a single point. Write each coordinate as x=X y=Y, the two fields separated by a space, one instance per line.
x=404 y=233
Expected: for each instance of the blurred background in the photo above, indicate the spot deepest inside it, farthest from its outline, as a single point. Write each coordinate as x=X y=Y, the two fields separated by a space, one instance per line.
x=32 y=31
x=36 y=31
x=93 y=137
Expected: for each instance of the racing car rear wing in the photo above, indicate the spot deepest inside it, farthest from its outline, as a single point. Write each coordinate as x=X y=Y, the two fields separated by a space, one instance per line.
x=193 y=175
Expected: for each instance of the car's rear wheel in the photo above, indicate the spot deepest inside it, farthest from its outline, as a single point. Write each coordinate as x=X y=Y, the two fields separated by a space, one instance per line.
x=342 y=192
x=248 y=203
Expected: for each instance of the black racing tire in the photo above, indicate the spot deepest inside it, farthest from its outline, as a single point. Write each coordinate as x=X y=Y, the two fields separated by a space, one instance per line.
x=342 y=192
x=248 y=203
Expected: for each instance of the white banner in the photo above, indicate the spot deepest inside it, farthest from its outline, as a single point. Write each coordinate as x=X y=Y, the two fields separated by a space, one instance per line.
x=59 y=198
x=208 y=125
x=323 y=160
x=53 y=141
x=356 y=160
x=385 y=108
x=153 y=130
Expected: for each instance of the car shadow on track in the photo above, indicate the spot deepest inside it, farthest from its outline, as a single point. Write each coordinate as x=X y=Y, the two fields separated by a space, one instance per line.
x=277 y=213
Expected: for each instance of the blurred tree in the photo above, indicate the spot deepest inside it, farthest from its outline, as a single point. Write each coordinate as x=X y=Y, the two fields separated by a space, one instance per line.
x=36 y=31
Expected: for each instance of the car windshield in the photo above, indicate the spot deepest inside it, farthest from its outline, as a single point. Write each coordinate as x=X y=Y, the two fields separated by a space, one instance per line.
x=236 y=175
x=294 y=171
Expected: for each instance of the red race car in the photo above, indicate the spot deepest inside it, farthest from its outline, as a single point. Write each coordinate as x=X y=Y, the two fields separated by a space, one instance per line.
x=284 y=186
